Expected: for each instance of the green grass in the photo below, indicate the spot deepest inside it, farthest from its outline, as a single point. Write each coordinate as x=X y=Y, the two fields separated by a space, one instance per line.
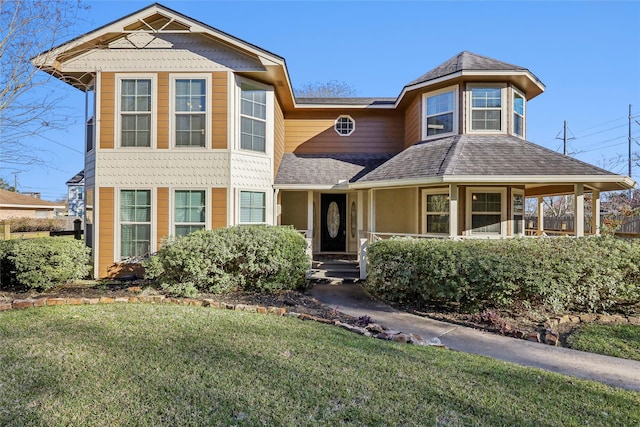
x=144 y=364
x=611 y=340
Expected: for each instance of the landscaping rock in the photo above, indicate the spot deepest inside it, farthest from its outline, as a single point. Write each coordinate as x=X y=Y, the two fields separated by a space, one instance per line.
x=587 y=317
x=375 y=328
x=534 y=336
x=5 y=306
x=39 y=302
x=121 y=299
x=90 y=300
x=551 y=338
x=106 y=300
x=22 y=303
x=633 y=320
x=56 y=301
x=75 y=301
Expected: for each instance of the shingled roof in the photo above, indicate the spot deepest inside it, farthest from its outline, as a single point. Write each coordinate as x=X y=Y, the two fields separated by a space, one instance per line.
x=11 y=199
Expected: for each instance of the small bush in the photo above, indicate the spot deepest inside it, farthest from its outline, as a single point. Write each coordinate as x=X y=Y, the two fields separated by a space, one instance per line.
x=21 y=225
x=557 y=274
x=44 y=262
x=254 y=258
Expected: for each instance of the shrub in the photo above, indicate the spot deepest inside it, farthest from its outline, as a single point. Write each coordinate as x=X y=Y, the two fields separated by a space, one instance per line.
x=44 y=262
x=256 y=258
x=19 y=225
x=558 y=274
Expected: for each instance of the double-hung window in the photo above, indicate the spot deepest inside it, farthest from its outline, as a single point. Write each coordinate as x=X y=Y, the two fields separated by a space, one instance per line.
x=253 y=118
x=518 y=114
x=189 y=211
x=190 y=108
x=440 y=117
x=436 y=213
x=487 y=211
x=252 y=207
x=135 y=112
x=486 y=108
x=135 y=223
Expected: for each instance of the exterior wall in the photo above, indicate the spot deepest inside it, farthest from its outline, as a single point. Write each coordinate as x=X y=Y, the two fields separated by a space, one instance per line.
x=219 y=116
x=413 y=122
x=162 y=215
x=389 y=203
x=6 y=213
x=106 y=120
x=218 y=208
x=376 y=131
x=162 y=134
x=294 y=209
x=105 y=229
x=279 y=136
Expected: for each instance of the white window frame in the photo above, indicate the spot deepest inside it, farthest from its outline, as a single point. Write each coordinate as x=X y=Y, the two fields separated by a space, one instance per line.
x=118 y=114
x=266 y=206
x=503 y=107
x=523 y=116
x=118 y=222
x=207 y=209
x=503 y=210
x=430 y=192
x=456 y=110
x=269 y=126
x=338 y=120
x=173 y=77
x=517 y=192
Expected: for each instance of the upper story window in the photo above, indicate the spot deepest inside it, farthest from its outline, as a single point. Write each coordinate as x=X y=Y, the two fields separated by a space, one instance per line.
x=135 y=112
x=253 y=118
x=190 y=112
x=441 y=113
x=486 y=108
x=518 y=114
x=344 y=125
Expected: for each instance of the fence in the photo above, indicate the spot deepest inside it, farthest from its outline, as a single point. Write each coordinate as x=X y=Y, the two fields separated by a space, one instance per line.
x=7 y=234
x=630 y=225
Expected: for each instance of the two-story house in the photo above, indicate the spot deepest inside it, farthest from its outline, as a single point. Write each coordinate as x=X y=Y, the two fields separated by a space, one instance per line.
x=189 y=127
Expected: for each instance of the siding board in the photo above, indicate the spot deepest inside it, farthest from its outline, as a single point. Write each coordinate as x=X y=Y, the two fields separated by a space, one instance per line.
x=107 y=107
x=162 y=215
x=106 y=230
x=279 y=136
x=413 y=122
x=163 y=111
x=218 y=208
x=219 y=135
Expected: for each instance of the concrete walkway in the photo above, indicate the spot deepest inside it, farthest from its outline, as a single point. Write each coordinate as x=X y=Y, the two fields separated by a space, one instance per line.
x=351 y=299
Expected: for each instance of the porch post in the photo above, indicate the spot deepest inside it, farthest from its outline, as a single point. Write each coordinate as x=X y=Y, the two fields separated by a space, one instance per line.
x=595 y=212
x=360 y=220
x=372 y=211
x=579 y=209
x=277 y=207
x=453 y=210
x=540 y=215
x=309 y=214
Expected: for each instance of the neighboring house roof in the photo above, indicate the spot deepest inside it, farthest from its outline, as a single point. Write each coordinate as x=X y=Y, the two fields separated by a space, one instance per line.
x=9 y=199
x=77 y=179
x=459 y=157
x=326 y=169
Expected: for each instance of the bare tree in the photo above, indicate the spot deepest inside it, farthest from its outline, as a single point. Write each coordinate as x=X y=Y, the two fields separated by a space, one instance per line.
x=28 y=28
x=330 y=89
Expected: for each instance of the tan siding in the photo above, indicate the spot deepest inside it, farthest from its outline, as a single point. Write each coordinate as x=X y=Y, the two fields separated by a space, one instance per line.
x=294 y=209
x=163 y=111
x=107 y=108
x=106 y=232
x=375 y=132
x=413 y=122
x=278 y=136
x=219 y=134
x=218 y=208
x=389 y=203
x=163 y=215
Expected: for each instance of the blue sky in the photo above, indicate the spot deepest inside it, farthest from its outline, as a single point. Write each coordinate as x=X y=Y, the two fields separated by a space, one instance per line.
x=587 y=54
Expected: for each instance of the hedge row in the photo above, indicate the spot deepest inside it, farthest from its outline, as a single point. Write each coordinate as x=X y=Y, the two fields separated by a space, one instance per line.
x=557 y=274
x=252 y=258
x=20 y=225
x=43 y=262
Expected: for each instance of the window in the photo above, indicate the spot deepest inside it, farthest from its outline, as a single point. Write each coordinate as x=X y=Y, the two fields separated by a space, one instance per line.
x=440 y=117
x=135 y=112
x=436 y=213
x=90 y=108
x=135 y=223
x=517 y=209
x=486 y=109
x=189 y=211
x=344 y=125
x=252 y=207
x=486 y=214
x=518 y=114
x=190 y=112
x=253 y=118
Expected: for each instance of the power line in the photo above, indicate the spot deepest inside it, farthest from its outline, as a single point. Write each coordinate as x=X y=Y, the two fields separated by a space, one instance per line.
x=61 y=144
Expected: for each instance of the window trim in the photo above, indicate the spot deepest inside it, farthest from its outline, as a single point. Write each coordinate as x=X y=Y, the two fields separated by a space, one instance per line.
x=241 y=115
x=172 y=209
x=266 y=206
x=456 y=111
x=118 y=113
x=117 y=214
x=515 y=92
x=503 y=210
x=344 y=116
x=503 y=107
x=172 y=109
x=517 y=192
x=429 y=192
x=269 y=125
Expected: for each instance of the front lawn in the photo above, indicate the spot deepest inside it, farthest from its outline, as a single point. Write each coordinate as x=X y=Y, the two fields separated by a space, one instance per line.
x=611 y=340
x=144 y=364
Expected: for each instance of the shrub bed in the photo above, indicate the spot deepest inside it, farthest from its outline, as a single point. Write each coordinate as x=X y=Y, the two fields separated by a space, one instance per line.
x=43 y=262
x=557 y=274
x=252 y=258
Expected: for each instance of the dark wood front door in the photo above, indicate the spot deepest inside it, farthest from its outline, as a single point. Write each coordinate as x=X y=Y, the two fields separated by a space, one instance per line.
x=333 y=222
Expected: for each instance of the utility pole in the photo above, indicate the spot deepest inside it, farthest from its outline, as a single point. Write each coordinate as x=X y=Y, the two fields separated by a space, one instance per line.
x=15 y=182
x=565 y=138
x=630 y=153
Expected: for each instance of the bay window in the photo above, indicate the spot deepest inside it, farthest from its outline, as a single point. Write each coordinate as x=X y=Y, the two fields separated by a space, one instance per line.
x=486 y=108
x=253 y=118
x=518 y=114
x=517 y=212
x=441 y=113
x=436 y=217
x=252 y=207
x=486 y=211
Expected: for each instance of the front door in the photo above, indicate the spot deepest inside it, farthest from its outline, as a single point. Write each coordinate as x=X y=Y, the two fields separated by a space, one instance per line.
x=333 y=222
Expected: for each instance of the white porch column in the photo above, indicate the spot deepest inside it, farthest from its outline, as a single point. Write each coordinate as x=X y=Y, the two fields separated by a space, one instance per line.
x=309 y=214
x=453 y=210
x=579 y=209
x=360 y=203
x=277 y=208
x=372 y=211
x=595 y=212
x=540 y=215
